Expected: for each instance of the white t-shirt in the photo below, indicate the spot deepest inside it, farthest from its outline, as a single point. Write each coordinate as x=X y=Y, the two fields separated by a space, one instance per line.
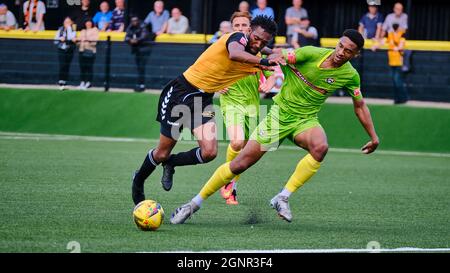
x=8 y=20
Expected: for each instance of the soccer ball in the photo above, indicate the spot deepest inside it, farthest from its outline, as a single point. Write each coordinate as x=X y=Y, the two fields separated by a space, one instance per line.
x=148 y=215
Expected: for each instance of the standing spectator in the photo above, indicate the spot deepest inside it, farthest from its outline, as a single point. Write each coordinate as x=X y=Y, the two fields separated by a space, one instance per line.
x=79 y=16
x=102 y=18
x=118 y=17
x=305 y=34
x=138 y=36
x=158 y=18
x=396 y=44
x=263 y=9
x=34 y=11
x=244 y=7
x=87 y=51
x=293 y=17
x=225 y=27
x=178 y=23
x=65 y=39
x=7 y=19
x=398 y=17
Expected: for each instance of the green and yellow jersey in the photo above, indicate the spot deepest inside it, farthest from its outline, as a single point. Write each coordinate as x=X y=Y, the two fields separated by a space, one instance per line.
x=303 y=95
x=242 y=94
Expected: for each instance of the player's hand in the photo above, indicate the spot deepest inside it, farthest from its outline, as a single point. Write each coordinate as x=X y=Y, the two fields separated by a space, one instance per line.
x=223 y=91
x=276 y=59
x=267 y=85
x=370 y=147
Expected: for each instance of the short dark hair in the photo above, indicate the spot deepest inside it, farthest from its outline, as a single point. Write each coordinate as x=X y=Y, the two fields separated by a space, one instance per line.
x=266 y=22
x=355 y=37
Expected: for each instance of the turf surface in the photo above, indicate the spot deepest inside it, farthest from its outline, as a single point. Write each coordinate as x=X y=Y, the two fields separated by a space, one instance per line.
x=54 y=192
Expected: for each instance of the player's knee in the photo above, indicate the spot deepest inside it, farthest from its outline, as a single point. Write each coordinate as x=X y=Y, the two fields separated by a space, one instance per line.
x=237 y=145
x=319 y=151
x=209 y=153
x=239 y=166
x=160 y=155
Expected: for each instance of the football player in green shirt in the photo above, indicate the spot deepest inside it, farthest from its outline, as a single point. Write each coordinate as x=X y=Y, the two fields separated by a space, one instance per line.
x=311 y=76
x=239 y=105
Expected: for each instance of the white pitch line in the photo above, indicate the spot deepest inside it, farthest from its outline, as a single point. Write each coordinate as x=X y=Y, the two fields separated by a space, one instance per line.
x=336 y=250
x=56 y=137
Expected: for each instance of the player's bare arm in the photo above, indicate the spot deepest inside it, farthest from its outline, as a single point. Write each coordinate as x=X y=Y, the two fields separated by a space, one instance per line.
x=363 y=114
x=237 y=53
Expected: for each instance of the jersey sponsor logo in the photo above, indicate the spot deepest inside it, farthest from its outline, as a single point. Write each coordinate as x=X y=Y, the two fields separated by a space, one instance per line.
x=243 y=41
x=330 y=80
x=356 y=92
x=208 y=114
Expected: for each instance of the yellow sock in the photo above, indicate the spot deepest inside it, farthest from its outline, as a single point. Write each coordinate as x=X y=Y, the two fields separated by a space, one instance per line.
x=231 y=154
x=305 y=169
x=221 y=176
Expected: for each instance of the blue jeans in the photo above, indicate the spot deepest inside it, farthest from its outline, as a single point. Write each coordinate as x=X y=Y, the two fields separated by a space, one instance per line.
x=400 y=93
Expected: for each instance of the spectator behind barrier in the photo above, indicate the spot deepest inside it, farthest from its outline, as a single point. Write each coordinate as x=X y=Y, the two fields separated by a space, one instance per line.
x=396 y=44
x=139 y=36
x=305 y=34
x=178 y=23
x=65 y=39
x=158 y=18
x=293 y=17
x=263 y=9
x=85 y=12
x=87 y=52
x=102 y=19
x=244 y=7
x=370 y=24
x=225 y=27
x=118 y=17
x=34 y=11
x=397 y=17
x=7 y=19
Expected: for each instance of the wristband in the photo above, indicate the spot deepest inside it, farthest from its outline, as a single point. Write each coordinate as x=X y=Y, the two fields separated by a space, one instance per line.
x=265 y=62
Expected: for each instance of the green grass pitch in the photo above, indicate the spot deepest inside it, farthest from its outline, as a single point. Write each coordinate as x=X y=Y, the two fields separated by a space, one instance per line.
x=54 y=191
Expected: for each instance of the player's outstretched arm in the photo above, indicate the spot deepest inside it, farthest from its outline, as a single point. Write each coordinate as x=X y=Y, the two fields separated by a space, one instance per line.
x=236 y=52
x=363 y=114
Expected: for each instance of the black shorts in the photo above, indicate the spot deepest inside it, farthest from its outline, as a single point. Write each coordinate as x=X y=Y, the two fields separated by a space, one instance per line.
x=182 y=105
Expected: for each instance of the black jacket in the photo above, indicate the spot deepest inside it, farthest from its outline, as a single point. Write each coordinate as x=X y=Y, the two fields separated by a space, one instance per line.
x=142 y=34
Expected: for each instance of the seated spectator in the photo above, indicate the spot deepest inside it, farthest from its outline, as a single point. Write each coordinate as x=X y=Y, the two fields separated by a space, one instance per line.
x=158 y=18
x=305 y=34
x=178 y=23
x=102 y=18
x=65 y=39
x=85 y=12
x=225 y=27
x=118 y=17
x=139 y=36
x=244 y=7
x=293 y=17
x=7 y=18
x=34 y=11
x=263 y=9
x=87 y=51
x=397 y=17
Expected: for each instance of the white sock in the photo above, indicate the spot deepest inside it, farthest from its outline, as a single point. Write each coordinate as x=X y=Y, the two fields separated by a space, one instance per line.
x=285 y=193
x=198 y=200
x=234 y=185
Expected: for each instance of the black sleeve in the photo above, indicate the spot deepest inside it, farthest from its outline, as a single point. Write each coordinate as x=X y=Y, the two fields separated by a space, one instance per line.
x=237 y=37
